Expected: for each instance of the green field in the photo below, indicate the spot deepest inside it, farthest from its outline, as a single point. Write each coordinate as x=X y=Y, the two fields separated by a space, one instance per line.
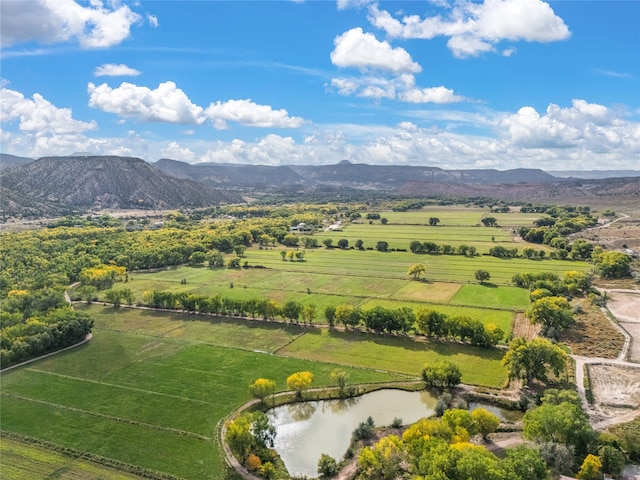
x=331 y=277
x=153 y=397
x=151 y=384
x=479 y=366
x=21 y=461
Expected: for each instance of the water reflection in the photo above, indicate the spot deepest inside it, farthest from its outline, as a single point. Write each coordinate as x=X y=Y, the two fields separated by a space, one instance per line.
x=509 y=416
x=338 y=406
x=302 y=411
x=307 y=430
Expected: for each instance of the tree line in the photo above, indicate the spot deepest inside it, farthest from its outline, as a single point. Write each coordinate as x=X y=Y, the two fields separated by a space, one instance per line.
x=41 y=334
x=404 y=320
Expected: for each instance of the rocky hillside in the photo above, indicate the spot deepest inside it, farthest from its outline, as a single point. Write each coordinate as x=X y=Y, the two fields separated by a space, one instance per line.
x=7 y=160
x=58 y=184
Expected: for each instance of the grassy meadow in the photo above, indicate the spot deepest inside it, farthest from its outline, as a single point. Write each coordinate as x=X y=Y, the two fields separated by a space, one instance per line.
x=367 y=278
x=479 y=366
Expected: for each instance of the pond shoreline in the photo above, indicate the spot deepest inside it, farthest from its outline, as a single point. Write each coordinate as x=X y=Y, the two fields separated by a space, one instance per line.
x=500 y=399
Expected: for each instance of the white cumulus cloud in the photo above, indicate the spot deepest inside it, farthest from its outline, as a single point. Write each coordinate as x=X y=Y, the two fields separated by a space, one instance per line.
x=430 y=95
x=401 y=87
x=248 y=113
x=166 y=103
x=115 y=70
x=35 y=127
x=38 y=116
x=52 y=21
x=175 y=152
x=387 y=72
x=474 y=28
x=588 y=126
x=357 y=49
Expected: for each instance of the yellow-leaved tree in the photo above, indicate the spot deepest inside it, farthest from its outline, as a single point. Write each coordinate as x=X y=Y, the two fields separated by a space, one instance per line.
x=300 y=382
x=262 y=388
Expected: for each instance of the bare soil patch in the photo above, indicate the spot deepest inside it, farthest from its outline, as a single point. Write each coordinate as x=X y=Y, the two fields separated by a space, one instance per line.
x=616 y=389
x=593 y=335
x=624 y=306
x=633 y=329
x=522 y=327
x=624 y=233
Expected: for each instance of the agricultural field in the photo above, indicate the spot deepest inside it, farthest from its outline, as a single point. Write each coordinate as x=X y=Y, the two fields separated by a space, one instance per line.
x=366 y=278
x=456 y=226
x=479 y=366
x=141 y=396
x=21 y=461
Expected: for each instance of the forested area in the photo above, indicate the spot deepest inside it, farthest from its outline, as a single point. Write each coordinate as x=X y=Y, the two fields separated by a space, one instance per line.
x=37 y=266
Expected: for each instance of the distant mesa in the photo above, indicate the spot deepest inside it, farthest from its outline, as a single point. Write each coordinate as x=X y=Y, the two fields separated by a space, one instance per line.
x=83 y=154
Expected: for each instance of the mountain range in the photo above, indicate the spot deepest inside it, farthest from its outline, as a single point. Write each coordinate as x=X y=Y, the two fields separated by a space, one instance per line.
x=80 y=182
x=62 y=185
x=343 y=174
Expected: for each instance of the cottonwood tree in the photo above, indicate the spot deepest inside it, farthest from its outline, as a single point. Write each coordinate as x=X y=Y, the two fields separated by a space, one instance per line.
x=482 y=276
x=590 y=469
x=553 y=313
x=327 y=466
x=309 y=313
x=330 y=315
x=114 y=297
x=525 y=463
x=262 y=388
x=431 y=322
x=239 y=437
x=613 y=265
x=382 y=246
x=215 y=259
x=347 y=314
x=416 y=270
x=300 y=382
x=340 y=377
x=564 y=423
x=486 y=422
x=441 y=374
x=197 y=258
x=291 y=309
x=532 y=360
x=87 y=293
x=383 y=460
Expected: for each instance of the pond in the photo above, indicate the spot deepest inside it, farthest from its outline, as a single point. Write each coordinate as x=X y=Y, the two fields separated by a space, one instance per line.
x=306 y=430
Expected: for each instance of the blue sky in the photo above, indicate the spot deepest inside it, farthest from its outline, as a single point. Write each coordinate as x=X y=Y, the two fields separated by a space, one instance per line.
x=463 y=84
